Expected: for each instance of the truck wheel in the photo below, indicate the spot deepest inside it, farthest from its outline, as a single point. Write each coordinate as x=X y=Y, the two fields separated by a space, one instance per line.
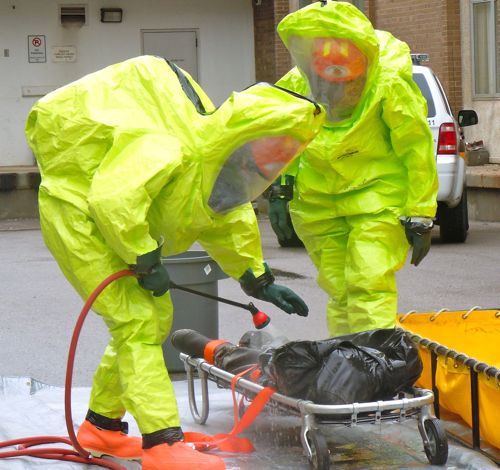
x=454 y=222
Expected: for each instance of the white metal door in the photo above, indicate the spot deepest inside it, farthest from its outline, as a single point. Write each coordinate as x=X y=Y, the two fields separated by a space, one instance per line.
x=178 y=46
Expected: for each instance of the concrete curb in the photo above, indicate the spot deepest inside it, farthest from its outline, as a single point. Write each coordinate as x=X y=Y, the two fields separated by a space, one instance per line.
x=484 y=176
x=7 y=225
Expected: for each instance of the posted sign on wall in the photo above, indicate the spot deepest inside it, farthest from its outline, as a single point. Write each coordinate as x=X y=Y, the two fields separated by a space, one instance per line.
x=36 y=49
x=64 y=54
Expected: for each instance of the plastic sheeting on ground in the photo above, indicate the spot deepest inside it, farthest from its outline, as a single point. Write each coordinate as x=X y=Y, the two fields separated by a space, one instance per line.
x=30 y=408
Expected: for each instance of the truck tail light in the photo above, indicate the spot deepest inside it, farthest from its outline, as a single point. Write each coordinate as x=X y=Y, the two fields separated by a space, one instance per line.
x=447 y=141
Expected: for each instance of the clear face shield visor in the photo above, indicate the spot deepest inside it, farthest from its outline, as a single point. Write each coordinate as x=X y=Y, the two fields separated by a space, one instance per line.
x=250 y=169
x=336 y=70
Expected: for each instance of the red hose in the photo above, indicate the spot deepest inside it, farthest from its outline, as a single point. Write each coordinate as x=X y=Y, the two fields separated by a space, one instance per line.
x=78 y=455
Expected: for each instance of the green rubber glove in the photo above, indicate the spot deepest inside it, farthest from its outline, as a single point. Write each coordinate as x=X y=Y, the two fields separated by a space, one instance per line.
x=278 y=216
x=418 y=233
x=279 y=195
x=151 y=273
x=264 y=288
x=284 y=298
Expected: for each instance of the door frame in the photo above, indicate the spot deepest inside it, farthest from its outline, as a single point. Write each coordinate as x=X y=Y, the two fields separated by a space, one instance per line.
x=175 y=30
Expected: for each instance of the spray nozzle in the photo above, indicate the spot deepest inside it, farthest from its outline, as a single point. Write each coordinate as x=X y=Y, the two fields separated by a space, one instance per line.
x=259 y=318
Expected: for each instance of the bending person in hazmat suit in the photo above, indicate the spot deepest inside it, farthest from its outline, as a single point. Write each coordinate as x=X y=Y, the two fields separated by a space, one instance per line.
x=365 y=189
x=135 y=164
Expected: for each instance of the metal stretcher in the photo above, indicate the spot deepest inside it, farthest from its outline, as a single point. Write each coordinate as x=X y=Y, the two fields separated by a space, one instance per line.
x=415 y=403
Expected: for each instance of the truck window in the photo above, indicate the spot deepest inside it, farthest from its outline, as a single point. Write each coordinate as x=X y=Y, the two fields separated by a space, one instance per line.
x=420 y=80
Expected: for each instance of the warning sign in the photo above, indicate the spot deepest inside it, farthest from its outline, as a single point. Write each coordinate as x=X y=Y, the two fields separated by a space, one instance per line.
x=64 y=54
x=36 y=49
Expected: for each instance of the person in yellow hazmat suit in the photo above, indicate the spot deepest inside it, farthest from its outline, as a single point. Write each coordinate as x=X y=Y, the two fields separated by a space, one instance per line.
x=365 y=189
x=136 y=163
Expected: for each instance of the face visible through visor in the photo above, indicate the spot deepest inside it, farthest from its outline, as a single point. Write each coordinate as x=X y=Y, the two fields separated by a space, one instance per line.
x=336 y=70
x=250 y=169
x=337 y=60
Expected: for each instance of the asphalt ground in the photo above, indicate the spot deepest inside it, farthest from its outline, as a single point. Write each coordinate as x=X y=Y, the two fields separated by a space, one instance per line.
x=39 y=308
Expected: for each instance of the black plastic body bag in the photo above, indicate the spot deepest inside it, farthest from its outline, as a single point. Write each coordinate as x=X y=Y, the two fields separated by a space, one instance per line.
x=367 y=366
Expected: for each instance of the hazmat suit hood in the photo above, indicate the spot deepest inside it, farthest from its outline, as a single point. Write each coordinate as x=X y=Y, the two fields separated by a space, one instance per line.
x=336 y=50
x=138 y=148
x=250 y=139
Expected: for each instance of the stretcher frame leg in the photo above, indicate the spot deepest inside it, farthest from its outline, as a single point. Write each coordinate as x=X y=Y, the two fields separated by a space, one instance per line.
x=205 y=404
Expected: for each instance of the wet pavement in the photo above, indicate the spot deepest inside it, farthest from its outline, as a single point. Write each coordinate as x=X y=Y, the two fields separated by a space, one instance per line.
x=39 y=310
x=29 y=408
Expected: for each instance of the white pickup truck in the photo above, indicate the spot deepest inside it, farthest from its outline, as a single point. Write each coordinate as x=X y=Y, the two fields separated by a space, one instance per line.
x=449 y=146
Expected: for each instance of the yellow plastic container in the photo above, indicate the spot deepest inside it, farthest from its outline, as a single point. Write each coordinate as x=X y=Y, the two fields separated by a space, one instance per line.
x=462 y=340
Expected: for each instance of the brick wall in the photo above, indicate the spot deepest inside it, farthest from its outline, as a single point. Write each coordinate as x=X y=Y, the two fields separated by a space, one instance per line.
x=271 y=57
x=370 y=9
x=431 y=26
x=283 y=60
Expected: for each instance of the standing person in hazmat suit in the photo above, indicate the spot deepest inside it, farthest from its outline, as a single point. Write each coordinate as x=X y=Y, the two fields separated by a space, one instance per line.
x=135 y=164
x=365 y=189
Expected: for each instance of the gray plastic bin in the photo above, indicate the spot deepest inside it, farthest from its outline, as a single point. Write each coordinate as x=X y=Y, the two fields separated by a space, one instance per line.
x=195 y=270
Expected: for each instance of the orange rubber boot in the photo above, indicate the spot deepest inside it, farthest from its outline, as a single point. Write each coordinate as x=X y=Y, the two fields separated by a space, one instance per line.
x=100 y=442
x=179 y=456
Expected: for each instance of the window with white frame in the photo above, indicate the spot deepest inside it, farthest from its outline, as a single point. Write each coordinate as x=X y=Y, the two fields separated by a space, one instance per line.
x=485 y=63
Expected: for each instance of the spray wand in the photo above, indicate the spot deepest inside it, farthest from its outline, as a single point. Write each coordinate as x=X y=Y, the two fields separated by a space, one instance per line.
x=259 y=318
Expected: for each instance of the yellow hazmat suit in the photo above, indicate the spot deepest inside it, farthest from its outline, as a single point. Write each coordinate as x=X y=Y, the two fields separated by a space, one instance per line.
x=130 y=155
x=371 y=164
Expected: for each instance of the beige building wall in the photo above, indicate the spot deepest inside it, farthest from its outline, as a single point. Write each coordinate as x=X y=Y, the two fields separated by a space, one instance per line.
x=225 y=51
